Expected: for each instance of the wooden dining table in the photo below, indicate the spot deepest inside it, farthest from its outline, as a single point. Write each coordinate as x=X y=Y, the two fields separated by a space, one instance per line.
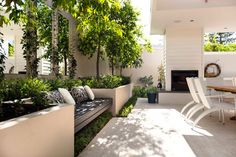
x=230 y=89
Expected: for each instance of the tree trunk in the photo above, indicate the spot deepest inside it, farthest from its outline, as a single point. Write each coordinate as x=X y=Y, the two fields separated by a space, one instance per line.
x=121 y=69
x=73 y=46
x=54 y=56
x=65 y=65
x=98 y=58
x=30 y=41
x=73 y=43
x=112 y=68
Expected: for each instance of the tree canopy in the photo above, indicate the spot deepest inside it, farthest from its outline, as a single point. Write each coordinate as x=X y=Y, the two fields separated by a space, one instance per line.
x=109 y=28
x=96 y=23
x=220 y=42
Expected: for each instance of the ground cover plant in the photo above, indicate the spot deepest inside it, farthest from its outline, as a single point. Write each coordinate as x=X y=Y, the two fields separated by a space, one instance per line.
x=128 y=106
x=84 y=136
x=106 y=81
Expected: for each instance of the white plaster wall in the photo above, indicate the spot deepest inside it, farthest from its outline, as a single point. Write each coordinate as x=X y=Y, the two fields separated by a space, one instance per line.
x=149 y=67
x=47 y=133
x=226 y=61
x=183 y=51
x=87 y=66
x=14 y=32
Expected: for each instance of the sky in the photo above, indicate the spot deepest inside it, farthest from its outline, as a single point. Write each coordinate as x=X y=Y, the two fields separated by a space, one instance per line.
x=145 y=19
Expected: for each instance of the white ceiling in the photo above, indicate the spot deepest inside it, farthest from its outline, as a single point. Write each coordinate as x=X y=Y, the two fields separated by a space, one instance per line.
x=214 y=16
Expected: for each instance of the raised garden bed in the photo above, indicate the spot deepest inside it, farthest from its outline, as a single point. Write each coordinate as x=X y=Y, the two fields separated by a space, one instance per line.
x=119 y=95
x=49 y=132
x=10 y=109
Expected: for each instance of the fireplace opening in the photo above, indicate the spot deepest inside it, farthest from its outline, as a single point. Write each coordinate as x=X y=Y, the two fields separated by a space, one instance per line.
x=178 y=79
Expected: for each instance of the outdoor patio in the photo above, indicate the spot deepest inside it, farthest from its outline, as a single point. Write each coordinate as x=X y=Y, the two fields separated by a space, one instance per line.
x=160 y=130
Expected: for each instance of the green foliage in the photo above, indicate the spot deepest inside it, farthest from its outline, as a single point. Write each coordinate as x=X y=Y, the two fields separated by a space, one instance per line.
x=125 y=51
x=215 y=47
x=2 y=58
x=152 y=89
x=106 y=81
x=128 y=106
x=30 y=40
x=139 y=92
x=24 y=88
x=45 y=35
x=161 y=73
x=146 y=80
x=10 y=50
x=67 y=83
x=15 y=10
x=220 y=42
x=220 y=37
x=96 y=23
x=84 y=136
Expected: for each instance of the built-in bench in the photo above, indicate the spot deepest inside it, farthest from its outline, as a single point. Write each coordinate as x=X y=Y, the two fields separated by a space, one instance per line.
x=89 y=110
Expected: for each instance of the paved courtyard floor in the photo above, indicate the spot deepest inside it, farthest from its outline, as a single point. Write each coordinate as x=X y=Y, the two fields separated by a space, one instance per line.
x=155 y=130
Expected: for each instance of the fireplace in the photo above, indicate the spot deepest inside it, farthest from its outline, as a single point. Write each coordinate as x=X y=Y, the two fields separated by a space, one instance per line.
x=178 y=79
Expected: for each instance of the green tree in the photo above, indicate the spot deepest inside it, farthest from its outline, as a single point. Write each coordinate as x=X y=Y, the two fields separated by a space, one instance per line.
x=30 y=39
x=95 y=23
x=221 y=37
x=126 y=50
x=222 y=42
x=45 y=35
x=10 y=49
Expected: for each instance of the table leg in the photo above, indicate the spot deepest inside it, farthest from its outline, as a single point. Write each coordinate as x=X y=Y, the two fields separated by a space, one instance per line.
x=234 y=116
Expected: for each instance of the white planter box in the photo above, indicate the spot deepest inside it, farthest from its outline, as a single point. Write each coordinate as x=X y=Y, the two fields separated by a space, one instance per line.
x=46 y=133
x=119 y=95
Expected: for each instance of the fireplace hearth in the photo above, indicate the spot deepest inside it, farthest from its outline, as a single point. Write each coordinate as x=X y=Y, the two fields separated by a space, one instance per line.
x=178 y=79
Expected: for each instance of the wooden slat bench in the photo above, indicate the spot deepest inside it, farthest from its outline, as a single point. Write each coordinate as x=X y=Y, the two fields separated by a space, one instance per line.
x=89 y=110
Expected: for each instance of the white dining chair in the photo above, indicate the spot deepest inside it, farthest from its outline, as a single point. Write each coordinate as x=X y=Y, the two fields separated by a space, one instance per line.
x=210 y=104
x=189 y=106
x=195 y=105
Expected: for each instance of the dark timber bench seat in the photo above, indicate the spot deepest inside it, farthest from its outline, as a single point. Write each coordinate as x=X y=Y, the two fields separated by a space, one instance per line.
x=89 y=110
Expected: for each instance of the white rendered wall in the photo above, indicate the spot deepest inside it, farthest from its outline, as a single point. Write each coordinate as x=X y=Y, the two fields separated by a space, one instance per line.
x=183 y=51
x=87 y=66
x=47 y=133
x=151 y=61
x=226 y=61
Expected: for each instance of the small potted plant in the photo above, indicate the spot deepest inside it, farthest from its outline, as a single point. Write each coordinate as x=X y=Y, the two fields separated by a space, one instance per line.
x=152 y=94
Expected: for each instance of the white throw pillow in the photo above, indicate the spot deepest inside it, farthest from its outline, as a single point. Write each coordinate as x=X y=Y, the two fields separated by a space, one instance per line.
x=67 y=96
x=90 y=92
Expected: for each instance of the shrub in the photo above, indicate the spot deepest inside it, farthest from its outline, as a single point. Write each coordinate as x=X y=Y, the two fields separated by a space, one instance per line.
x=216 y=47
x=67 y=83
x=55 y=84
x=146 y=80
x=22 y=88
x=84 y=136
x=16 y=90
x=139 y=92
x=151 y=89
x=106 y=81
x=70 y=83
x=128 y=106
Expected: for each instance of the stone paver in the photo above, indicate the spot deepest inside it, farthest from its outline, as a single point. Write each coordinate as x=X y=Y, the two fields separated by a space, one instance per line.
x=154 y=130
